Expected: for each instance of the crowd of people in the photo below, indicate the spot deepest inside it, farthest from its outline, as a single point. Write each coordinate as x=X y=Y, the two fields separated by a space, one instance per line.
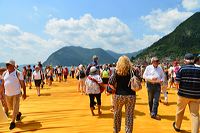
x=94 y=79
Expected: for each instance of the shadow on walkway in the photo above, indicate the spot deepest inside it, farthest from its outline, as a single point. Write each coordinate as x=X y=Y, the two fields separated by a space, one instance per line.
x=172 y=117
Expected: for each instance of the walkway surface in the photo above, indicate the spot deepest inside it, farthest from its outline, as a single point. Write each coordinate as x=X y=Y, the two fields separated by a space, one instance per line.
x=60 y=109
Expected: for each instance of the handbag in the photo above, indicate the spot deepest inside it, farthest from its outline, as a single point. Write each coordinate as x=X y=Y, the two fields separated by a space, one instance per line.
x=135 y=83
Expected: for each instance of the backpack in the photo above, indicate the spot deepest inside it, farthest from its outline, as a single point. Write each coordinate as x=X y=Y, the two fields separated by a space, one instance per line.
x=105 y=74
x=82 y=74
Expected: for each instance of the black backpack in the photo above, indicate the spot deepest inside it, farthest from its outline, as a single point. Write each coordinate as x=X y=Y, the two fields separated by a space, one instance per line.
x=82 y=74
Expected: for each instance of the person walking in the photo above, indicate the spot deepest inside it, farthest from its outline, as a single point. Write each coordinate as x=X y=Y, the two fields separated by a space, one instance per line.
x=37 y=77
x=188 y=85
x=81 y=77
x=93 y=83
x=12 y=82
x=154 y=76
x=119 y=81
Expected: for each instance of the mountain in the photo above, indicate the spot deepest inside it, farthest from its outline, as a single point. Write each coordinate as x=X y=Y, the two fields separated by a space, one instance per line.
x=117 y=55
x=2 y=65
x=71 y=55
x=185 y=38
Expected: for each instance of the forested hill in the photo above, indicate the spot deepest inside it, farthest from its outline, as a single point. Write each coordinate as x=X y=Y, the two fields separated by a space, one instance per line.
x=185 y=38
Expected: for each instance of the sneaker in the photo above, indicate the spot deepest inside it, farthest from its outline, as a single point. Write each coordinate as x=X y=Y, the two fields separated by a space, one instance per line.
x=155 y=117
x=18 y=116
x=12 y=125
x=175 y=128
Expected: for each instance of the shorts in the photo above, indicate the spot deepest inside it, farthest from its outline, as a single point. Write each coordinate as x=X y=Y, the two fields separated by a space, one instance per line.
x=28 y=79
x=59 y=74
x=37 y=82
x=13 y=102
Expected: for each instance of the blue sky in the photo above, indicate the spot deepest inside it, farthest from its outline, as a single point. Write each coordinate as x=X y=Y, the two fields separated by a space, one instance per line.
x=30 y=30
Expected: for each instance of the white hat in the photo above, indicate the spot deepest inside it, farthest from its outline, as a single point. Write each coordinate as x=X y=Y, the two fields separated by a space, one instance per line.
x=93 y=69
x=154 y=59
x=11 y=62
x=80 y=66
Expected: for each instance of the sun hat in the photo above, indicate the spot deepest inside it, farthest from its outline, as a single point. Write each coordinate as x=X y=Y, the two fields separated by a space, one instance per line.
x=11 y=62
x=154 y=59
x=93 y=69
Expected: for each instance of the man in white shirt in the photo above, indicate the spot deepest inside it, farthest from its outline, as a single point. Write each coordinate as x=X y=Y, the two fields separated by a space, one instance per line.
x=13 y=82
x=154 y=76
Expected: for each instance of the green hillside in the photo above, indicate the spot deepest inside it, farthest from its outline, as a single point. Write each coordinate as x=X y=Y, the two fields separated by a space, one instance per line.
x=72 y=55
x=185 y=38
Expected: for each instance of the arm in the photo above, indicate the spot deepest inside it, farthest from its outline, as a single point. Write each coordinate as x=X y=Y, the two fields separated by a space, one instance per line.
x=24 y=89
x=146 y=75
x=23 y=86
x=162 y=75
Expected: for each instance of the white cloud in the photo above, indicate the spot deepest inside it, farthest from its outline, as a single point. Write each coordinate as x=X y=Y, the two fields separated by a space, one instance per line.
x=165 y=21
x=107 y=33
x=191 y=4
x=22 y=46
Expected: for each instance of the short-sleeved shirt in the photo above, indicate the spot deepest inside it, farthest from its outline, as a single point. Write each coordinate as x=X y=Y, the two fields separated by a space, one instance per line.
x=188 y=77
x=37 y=75
x=11 y=83
x=91 y=86
x=29 y=72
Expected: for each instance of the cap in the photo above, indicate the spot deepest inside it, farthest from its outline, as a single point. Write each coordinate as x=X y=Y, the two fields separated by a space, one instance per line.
x=11 y=62
x=154 y=59
x=189 y=56
x=93 y=69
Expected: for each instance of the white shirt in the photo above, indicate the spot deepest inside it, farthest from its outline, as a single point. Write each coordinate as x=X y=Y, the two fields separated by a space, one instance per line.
x=153 y=72
x=197 y=65
x=11 y=83
x=37 y=75
x=91 y=86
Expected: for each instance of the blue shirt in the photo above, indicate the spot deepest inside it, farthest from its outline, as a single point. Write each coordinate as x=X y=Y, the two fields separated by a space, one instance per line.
x=188 y=78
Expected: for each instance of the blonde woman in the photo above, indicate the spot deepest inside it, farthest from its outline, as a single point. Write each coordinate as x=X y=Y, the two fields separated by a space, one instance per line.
x=123 y=95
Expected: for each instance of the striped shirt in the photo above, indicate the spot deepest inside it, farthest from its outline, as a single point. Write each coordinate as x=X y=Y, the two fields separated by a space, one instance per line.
x=188 y=78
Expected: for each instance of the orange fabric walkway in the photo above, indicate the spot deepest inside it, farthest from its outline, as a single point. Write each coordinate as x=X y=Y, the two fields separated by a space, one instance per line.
x=60 y=109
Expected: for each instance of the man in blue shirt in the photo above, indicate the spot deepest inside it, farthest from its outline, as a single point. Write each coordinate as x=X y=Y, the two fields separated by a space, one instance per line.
x=188 y=85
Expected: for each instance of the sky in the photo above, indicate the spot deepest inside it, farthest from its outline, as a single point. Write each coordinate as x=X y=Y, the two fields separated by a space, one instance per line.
x=31 y=30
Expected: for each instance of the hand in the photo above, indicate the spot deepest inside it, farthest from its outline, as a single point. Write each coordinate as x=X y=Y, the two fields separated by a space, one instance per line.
x=24 y=96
